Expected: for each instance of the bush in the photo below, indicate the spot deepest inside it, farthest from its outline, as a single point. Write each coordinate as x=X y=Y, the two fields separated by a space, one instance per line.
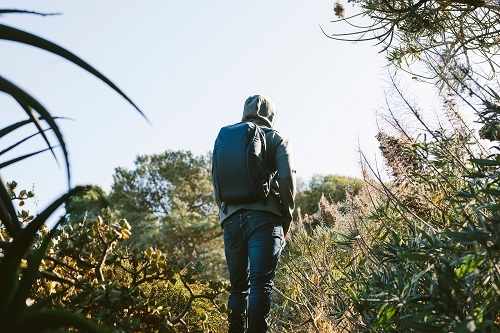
x=126 y=290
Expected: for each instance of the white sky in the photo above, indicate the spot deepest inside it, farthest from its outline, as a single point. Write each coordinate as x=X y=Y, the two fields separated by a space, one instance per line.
x=189 y=65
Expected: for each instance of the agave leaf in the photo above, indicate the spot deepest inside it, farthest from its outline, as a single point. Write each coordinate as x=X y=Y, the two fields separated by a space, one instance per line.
x=13 y=255
x=8 y=215
x=17 y=125
x=34 y=119
x=13 y=127
x=21 y=142
x=31 y=274
x=22 y=11
x=26 y=99
x=20 y=158
x=16 y=35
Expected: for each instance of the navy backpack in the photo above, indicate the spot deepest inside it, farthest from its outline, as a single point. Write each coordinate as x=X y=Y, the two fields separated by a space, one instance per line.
x=240 y=171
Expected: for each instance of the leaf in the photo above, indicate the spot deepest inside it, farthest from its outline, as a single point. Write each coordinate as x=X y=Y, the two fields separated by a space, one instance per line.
x=468 y=266
x=26 y=99
x=465 y=194
x=16 y=35
x=468 y=237
x=494 y=207
x=34 y=119
x=419 y=326
x=353 y=296
x=31 y=273
x=20 y=158
x=414 y=256
x=13 y=255
x=492 y=191
x=385 y=314
x=13 y=127
x=8 y=214
x=484 y=162
x=20 y=11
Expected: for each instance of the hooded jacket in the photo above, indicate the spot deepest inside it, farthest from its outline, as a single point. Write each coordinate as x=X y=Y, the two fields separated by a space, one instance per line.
x=261 y=110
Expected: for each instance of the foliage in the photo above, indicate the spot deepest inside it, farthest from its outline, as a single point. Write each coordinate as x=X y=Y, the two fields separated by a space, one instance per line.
x=452 y=35
x=168 y=199
x=21 y=255
x=333 y=187
x=86 y=272
x=313 y=285
x=443 y=271
x=438 y=271
x=21 y=259
x=88 y=206
x=418 y=252
x=433 y=266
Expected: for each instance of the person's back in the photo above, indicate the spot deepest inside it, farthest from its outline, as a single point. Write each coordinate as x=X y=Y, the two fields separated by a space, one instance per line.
x=254 y=232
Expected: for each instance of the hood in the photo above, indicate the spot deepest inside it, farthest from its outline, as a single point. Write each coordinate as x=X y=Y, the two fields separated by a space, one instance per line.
x=260 y=110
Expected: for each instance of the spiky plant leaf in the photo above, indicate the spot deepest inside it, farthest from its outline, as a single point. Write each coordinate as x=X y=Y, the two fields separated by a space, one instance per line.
x=8 y=215
x=11 y=128
x=16 y=35
x=10 y=264
x=20 y=158
x=29 y=103
x=31 y=274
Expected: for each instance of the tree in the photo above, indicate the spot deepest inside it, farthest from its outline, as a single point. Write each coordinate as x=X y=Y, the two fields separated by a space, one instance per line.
x=452 y=36
x=88 y=206
x=168 y=201
x=333 y=187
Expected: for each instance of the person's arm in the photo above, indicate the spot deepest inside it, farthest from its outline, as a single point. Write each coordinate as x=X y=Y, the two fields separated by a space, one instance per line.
x=216 y=199
x=286 y=180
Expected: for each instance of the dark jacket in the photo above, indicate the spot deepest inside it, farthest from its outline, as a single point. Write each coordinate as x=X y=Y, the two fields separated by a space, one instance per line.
x=260 y=110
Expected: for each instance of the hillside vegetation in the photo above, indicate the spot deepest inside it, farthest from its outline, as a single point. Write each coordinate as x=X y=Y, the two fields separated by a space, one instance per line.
x=411 y=247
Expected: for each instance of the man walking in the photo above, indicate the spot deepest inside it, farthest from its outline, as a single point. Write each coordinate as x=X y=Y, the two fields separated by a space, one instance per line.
x=254 y=232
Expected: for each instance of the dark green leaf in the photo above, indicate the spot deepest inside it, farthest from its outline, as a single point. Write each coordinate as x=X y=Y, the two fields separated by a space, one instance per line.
x=8 y=214
x=485 y=162
x=34 y=120
x=26 y=99
x=419 y=326
x=13 y=127
x=13 y=255
x=31 y=273
x=414 y=256
x=20 y=158
x=16 y=35
x=465 y=194
x=20 y=11
x=492 y=191
x=468 y=237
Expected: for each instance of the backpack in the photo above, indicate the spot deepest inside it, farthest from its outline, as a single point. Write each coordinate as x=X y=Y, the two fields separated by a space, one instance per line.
x=240 y=172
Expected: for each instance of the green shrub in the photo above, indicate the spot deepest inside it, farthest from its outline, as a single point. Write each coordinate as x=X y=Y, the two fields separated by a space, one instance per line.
x=126 y=290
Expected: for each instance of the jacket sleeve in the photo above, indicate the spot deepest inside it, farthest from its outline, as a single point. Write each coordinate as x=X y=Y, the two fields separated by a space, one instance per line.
x=286 y=180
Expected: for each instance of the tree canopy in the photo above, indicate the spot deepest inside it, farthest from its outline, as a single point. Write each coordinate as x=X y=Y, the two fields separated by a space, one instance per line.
x=167 y=198
x=332 y=187
x=445 y=34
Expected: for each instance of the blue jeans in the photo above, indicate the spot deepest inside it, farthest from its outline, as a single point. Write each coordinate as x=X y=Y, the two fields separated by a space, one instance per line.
x=253 y=241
